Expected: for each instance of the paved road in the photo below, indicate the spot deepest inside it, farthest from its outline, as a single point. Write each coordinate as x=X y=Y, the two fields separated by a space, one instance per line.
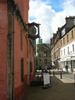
x=58 y=91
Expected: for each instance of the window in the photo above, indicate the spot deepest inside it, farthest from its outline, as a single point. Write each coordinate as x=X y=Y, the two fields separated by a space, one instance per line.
x=45 y=54
x=68 y=50
x=45 y=61
x=72 y=34
x=63 y=40
x=63 y=32
x=22 y=69
x=73 y=47
x=67 y=38
x=74 y=21
x=21 y=40
x=64 y=51
x=61 y=52
x=30 y=66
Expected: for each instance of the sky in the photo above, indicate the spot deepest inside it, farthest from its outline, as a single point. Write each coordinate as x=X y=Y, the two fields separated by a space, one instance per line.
x=50 y=14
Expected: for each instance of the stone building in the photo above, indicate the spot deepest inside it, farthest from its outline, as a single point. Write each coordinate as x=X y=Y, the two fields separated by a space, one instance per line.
x=43 y=55
x=63 y=48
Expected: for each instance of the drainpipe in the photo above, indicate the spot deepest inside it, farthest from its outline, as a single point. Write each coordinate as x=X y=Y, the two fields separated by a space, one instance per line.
x=10 y=55
x=13 y=60
x=71 y=65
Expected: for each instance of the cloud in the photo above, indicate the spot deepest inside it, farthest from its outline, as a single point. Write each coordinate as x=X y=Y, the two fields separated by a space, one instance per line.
x=41 y=11
x=58 y=20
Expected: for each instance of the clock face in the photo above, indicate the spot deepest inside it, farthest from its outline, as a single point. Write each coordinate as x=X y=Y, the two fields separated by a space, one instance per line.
x=32 y=30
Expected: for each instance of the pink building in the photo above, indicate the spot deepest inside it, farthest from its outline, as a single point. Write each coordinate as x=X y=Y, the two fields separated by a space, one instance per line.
x=16 y=51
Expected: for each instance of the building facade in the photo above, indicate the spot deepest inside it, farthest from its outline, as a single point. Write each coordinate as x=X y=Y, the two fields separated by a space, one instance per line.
x=43 y=55
x=63 y=49
x=17 y=52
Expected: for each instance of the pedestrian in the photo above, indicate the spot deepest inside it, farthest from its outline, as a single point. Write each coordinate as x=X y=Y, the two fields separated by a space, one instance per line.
x=53 y=73
x=61 y=74
x=66 y=68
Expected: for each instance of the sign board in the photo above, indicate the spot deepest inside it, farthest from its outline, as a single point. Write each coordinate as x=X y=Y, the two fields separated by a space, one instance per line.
x=46 y=78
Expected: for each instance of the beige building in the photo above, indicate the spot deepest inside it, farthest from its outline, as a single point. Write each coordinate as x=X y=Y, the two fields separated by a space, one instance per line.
x=63 y=45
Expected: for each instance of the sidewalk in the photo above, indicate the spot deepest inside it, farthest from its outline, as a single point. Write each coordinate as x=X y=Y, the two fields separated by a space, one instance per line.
x=65 y=79
x=58 y=91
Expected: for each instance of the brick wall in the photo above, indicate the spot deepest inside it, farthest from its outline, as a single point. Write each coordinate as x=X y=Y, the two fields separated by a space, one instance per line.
x=3 y=50
x=22 y=50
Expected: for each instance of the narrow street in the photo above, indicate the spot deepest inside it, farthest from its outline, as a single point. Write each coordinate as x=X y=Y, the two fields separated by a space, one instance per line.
x=37 y=49
x=58 y=91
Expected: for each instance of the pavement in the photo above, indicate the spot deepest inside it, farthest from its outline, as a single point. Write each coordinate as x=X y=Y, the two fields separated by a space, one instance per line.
x=60 y=89
x=66 y=78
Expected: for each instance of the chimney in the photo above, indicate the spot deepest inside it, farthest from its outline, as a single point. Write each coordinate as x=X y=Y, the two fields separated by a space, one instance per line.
x=69 y=22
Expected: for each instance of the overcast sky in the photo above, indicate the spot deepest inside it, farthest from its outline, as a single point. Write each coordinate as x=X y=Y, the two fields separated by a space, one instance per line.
x=50 y=14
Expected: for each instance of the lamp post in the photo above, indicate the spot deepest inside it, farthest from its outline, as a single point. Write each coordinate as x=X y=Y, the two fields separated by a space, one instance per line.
x=71 y=65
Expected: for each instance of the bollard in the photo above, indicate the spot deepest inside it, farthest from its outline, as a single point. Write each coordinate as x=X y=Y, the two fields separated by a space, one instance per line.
x=53 y=73
x=74 y=79
x=50 y=76
x=60 y=74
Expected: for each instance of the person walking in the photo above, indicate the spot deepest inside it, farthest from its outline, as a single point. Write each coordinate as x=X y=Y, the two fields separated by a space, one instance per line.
x=66 y=68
